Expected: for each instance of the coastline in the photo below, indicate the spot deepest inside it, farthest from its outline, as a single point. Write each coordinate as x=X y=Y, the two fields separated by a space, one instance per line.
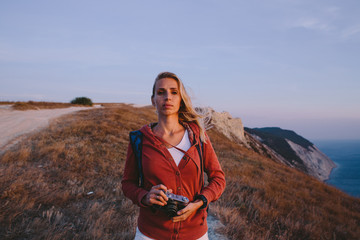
x=331 y=171
x=329 y=176
x=346 y=156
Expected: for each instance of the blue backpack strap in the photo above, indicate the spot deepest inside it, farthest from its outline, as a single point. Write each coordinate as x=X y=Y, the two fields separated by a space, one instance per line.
x=136 y=138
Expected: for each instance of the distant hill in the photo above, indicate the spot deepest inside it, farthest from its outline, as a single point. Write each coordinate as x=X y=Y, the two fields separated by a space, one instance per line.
x=294 y=150
x=273 y=137
x=282 y=133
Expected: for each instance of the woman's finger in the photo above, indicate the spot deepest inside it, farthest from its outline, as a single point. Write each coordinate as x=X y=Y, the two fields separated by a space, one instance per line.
x=163 y=195
x=161 y=187
x=158 y=200
x=182 y=211
x=159 y=193
x=179 y=218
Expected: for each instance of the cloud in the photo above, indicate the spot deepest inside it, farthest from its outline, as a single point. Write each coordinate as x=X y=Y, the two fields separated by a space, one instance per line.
x=351 y=31
x=314 y=16
x=312 y=24
x=332 y=10
x=334 y=21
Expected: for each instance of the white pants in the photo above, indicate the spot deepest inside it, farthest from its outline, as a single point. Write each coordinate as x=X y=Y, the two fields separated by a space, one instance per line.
x=140 y=236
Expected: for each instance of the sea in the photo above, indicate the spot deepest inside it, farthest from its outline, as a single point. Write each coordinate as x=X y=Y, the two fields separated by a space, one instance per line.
x=346 y=155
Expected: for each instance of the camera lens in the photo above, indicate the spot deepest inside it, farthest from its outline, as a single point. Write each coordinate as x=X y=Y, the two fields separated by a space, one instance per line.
x=171 y=209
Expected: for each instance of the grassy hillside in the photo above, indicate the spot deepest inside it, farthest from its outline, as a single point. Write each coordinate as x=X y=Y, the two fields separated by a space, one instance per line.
x=34 y=105
x=64 y=182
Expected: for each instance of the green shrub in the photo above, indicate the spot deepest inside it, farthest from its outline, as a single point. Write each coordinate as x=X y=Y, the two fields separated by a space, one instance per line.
x=82 y=101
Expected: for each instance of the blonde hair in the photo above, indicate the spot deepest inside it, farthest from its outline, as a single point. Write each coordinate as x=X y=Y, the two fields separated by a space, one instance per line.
x=186 y=111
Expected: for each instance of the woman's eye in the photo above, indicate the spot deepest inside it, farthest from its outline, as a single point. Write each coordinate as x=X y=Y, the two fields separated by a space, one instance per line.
x=160 y=92
x=174 y=92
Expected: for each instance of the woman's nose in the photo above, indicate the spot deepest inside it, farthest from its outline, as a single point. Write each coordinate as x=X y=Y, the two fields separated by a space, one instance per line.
x=167 y=96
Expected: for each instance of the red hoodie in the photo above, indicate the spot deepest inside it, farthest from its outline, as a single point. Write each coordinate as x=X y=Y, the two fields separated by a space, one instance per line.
x=185 y=179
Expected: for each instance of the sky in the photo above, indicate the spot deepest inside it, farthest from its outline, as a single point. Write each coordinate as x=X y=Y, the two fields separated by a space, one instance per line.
x=292 y=64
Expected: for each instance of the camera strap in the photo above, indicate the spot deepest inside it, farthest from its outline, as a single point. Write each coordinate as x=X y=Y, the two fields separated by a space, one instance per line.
x=169 y=144
x=199 y=148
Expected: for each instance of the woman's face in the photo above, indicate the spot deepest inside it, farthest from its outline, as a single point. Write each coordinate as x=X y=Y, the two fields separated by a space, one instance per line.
x=167 y=97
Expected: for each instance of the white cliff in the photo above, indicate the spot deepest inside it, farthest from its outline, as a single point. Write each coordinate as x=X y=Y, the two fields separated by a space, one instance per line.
x=231 y=127
x=317 y=163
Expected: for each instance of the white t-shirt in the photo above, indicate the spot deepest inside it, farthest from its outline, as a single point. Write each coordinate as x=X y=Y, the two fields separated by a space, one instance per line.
x=183 y=145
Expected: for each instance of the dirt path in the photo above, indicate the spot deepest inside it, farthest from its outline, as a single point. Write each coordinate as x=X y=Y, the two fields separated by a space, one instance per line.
x=14 y=124
x=213 y=224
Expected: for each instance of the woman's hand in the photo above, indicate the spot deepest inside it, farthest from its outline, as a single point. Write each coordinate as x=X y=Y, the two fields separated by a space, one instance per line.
x=156 y=196
x=187 y=211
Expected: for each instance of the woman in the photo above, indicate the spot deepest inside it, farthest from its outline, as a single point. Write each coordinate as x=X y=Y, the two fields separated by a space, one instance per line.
x=171 y=162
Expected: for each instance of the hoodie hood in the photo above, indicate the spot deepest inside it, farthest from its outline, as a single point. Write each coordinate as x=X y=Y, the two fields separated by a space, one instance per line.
x=192 y=128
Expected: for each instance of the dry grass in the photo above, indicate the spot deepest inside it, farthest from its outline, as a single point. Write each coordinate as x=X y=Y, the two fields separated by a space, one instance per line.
x=47 y=180
x=64 y=183
x=32 y=105
x=6 y=102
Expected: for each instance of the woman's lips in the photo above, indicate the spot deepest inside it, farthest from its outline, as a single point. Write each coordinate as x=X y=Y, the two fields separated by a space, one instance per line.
x=168 y=106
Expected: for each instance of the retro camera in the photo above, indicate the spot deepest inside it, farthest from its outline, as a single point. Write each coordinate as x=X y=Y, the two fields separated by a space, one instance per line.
x=174 y=204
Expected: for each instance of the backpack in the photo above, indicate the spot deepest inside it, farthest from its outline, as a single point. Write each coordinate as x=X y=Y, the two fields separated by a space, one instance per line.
x=136 y=138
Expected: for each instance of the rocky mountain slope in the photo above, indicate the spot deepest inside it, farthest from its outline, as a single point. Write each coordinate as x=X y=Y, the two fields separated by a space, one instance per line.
x=283 y=146
x=295 y=151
